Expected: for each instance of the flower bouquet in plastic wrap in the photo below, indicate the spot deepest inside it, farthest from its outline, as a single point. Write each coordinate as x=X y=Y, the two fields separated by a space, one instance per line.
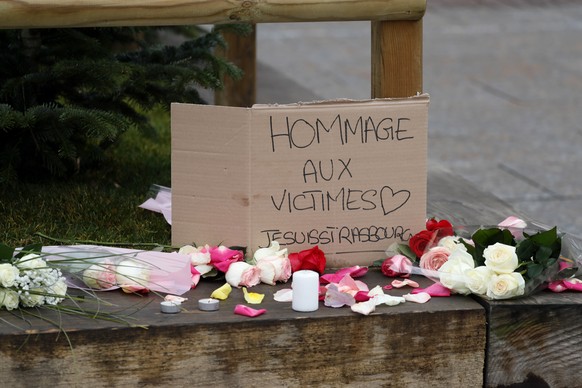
x=509 y=260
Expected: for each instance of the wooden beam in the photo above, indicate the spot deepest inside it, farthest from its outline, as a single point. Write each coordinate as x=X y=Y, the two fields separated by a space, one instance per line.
x=396 y=58
x=107 y=13
x=242 y=51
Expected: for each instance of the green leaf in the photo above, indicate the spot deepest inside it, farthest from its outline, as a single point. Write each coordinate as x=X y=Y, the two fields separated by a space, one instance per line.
x=525 y=250
x=543 y=253
x=31 y=248
x=534 y=270
x=546 y=238
x=6 y=253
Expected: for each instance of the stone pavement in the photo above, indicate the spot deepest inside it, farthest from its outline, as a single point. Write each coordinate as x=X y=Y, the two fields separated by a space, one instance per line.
x=505 y=80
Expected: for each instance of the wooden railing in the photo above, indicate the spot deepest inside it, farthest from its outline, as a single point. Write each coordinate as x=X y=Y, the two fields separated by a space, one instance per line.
x=396 y=29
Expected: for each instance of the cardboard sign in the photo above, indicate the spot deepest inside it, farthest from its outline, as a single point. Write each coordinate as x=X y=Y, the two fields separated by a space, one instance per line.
x=348 y=176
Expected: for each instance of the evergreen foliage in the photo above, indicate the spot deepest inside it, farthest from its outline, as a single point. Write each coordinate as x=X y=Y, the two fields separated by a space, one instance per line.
x=68 y=94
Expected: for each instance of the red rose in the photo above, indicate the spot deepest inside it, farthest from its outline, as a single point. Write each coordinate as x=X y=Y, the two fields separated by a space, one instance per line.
x=421 y=241
x=397 y=265
x=443 y=227
x=311 y=259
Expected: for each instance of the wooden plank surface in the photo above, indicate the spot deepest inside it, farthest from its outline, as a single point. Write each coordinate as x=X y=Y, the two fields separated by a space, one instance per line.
x=107 y=13
x=405 y=345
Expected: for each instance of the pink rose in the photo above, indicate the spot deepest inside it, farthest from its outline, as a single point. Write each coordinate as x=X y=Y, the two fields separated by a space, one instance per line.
x=397 y=265
x=274 y=269
x=222 y=257
x=515 y=226
x=242 y=274
x=434 y=258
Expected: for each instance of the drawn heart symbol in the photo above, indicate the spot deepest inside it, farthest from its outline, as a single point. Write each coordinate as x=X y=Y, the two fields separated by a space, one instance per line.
x=392 y=201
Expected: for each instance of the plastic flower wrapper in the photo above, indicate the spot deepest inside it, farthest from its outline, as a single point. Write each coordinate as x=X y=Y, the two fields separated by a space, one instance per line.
x=109 y=268
x=509 y=260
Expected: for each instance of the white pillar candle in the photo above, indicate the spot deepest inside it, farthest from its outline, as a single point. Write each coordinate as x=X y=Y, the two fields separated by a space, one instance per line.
x=305 y=287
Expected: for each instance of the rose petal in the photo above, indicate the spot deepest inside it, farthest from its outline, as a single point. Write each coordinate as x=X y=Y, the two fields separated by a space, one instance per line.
x=222 y=292
x=388 y=287
x=557 y=286
x=364 y=308
x=354 y=272
x=421 y=297
x=362 y=296
x=375 y=291
x=335 y=298
x=175 y=299
x=253 y=297
x=402 y=283
x=284 y=295
x=241 y=309
x=388 y=300
x=573 y=284
x=436 y=289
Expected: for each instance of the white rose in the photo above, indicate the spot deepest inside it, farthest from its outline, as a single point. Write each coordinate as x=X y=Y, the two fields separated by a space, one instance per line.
x=31 y=261
x=505 y=286
x=198 y=256
x=34 y=298
x=9 y=299
x=242 y=274
x=8 y=274
x=478 y=279
x=132 y=276
x=453 y=273
x=452 y=243
x=273 y=250
x=501 y=258
x=274 y=269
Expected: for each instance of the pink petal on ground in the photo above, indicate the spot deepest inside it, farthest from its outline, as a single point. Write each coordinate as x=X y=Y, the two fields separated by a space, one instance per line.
x=436 y=289
x=402 y=283
x=248 y=311
x=336 y=277
x=362 y=296
x=557 y=286
x=335 y=298
x=573 y=284
x=421 y=297
x=388 y=287
x=284 y=295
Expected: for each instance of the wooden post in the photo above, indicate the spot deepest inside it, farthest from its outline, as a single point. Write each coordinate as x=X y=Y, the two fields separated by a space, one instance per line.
x=242 y=51
x=396 y=58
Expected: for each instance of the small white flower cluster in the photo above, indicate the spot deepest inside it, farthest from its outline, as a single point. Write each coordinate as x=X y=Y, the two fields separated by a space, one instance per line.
x=30 y=282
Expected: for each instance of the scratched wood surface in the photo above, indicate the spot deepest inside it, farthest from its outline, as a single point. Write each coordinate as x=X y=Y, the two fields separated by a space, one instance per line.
x=438 y=343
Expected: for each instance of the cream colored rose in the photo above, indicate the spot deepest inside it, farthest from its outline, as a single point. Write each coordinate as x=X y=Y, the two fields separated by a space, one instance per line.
x=505 y=286
x=100 y=276
x=242 y=274
x=452 y=274
x=9 y=299
x=33 y=297
x=31 y=261
x=198 y=256
x=501 y=258
x=8 y=274
x=132 y=276
x=452 y=243
x=478 y=279
x=273 y=250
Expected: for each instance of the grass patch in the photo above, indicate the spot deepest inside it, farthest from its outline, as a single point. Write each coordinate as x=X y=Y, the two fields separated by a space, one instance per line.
x=101 y=205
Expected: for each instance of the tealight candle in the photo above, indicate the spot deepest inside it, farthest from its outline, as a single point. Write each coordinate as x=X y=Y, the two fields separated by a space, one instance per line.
x=208 y=304
x=305 y=287
x=170 y=307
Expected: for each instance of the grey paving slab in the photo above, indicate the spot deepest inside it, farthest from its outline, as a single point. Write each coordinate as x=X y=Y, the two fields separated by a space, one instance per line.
x=505 y=79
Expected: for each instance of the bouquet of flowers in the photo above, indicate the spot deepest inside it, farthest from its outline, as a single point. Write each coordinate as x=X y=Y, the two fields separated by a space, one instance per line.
x=510 y=260
x=27 y=280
